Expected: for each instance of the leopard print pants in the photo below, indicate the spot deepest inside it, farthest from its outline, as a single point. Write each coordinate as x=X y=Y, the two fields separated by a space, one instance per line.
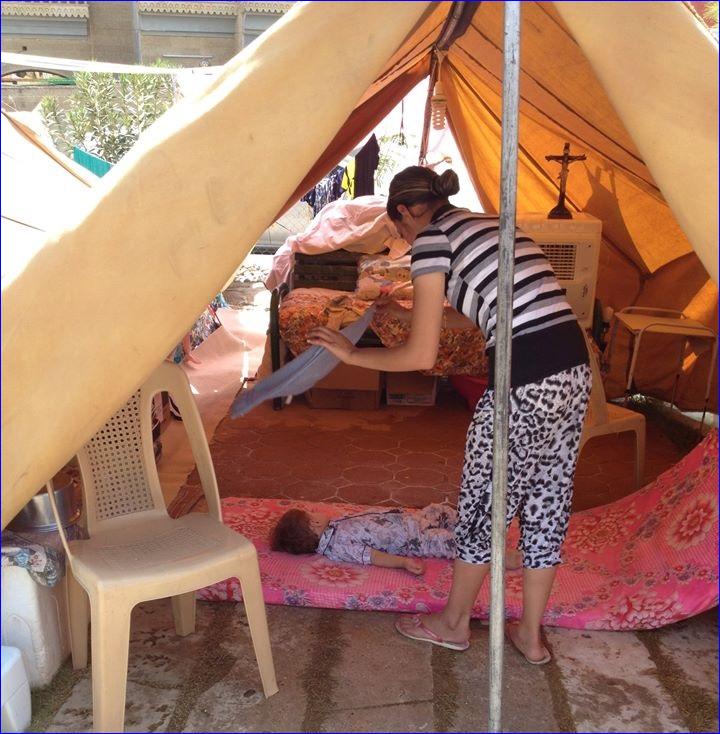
x=546 y=420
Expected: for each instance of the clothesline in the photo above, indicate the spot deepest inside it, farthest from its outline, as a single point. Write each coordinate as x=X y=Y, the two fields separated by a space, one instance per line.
x=42 y=63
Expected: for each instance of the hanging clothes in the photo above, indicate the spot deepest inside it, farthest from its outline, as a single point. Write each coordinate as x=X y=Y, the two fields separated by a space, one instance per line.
x=327 y=190
x=366 y=161
x=348 y=180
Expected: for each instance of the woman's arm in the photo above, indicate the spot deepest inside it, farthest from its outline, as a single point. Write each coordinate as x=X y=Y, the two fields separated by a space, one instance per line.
x=419 y=352
x=390 y=560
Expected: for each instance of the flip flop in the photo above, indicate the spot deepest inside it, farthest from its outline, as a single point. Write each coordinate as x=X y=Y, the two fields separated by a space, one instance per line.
x=543 y=661
x=420 y=632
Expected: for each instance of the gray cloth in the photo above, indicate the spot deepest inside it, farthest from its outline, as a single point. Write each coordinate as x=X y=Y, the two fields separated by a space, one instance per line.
x=300 y=374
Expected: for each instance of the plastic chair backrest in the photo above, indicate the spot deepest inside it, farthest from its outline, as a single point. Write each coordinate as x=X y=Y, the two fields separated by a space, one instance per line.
x=598 y=413
x=120 y=477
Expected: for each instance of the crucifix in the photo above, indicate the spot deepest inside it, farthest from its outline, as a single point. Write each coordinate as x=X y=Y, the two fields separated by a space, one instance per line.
x=560 y=211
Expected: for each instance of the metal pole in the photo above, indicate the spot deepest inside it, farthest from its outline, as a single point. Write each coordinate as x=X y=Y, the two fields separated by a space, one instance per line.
x=503 y=345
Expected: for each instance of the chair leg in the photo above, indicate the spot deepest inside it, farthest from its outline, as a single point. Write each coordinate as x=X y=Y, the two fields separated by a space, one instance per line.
x=183 y=606
x=110 y=636
x=639 y=455
x=78 y=611
x=255 y=610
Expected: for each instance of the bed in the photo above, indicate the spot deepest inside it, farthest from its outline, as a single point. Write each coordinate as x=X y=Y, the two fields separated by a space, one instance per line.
x=296 y=309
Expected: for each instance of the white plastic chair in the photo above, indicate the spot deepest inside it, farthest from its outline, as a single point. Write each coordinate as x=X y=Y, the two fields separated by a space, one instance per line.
x=605 y=418
x=136 y=552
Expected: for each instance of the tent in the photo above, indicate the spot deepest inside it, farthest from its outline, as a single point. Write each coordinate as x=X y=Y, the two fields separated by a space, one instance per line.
x=165 y=229
x=39 y=187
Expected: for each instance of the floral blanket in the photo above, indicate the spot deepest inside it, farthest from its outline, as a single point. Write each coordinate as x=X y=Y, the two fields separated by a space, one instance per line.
x=35 y=552
x=642 y=562
x=461 y=351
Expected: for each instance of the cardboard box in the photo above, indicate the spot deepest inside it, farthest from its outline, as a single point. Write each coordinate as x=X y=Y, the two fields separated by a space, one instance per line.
x=410 y=388
x=349 y=377
x=343 y=399
x=346 y=388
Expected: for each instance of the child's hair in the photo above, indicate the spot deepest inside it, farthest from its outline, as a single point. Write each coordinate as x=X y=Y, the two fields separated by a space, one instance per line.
x=293 y=534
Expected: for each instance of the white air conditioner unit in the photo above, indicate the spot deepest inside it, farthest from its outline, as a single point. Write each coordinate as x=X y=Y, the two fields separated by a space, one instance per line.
x=573 y=248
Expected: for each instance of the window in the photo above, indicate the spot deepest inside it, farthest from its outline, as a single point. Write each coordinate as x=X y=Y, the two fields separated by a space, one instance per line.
x=45 y=19
x=187 y=25
x=254 y=24
x=44 y=26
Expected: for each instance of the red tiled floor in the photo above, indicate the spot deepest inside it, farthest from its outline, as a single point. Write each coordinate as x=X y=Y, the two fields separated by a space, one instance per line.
x=362 y=457
x=421 y=476
x=417 y=496
x=366 y=474
x=373 y=493
x=395 y=455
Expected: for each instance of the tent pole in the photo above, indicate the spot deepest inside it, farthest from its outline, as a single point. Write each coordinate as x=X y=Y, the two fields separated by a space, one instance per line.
x=506 y=264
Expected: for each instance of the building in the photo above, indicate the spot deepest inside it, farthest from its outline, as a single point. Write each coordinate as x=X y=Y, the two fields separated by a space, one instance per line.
x=182 y=33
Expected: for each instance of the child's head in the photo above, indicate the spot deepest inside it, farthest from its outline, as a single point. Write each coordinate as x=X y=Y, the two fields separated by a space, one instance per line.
x=294 y=533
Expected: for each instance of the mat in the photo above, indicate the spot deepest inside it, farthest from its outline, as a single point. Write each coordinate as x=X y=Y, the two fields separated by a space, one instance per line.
x=645 y=561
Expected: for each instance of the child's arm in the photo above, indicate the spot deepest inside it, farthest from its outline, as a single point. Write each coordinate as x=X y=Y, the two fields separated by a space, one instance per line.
x=388 y=560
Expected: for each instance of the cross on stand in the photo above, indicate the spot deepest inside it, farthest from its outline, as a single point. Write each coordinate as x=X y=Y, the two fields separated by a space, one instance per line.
x=560 y=211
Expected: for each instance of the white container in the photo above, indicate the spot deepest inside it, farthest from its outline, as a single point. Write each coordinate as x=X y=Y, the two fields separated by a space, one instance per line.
x=16 y=708
x=35 y=620
x=573 y=248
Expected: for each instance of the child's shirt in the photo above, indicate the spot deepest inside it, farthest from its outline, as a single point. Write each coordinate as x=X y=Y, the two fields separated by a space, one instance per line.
x=351 y=539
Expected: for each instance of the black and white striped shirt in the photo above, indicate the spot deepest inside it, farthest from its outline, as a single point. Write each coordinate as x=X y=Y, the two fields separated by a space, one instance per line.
x=464 y=246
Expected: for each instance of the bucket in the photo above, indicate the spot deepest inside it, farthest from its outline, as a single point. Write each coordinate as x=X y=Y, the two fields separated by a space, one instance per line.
x=471 y=388
x=37 y=515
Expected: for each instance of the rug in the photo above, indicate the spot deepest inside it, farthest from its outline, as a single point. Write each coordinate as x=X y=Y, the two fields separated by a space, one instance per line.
x=645 y=561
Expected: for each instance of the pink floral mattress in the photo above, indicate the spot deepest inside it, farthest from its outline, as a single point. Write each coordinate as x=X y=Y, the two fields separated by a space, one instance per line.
x=642 y=562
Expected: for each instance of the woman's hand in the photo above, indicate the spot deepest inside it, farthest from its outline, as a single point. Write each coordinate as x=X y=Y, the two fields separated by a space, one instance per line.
x=415 y=566
x=333 y=341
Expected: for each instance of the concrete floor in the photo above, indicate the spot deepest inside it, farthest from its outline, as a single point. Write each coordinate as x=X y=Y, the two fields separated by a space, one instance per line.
x=349 y=671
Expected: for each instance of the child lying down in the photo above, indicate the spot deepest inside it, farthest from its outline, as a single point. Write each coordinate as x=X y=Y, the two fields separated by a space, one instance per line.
x=397 y=538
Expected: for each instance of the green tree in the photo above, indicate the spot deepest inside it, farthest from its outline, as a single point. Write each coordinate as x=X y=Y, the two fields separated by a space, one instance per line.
x=393 y=149
x=107 y=112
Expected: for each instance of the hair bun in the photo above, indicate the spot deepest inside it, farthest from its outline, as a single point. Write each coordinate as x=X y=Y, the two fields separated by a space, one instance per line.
x=446 y=184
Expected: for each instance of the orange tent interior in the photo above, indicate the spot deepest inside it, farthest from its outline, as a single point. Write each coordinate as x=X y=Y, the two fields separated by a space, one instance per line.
x=647 y=259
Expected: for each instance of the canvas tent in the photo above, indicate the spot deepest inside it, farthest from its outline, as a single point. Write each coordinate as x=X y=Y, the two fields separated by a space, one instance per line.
x=173 y=220
x=38 y=187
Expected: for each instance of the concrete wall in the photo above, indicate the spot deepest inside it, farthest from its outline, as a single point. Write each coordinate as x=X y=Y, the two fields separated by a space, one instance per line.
x=25 y=98
x=109 y=36
x=114 y=34
x=212 y=50
x=60 y=46
x=111 y=32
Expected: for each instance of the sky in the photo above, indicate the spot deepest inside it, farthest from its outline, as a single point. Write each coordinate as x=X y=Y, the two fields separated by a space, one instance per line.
x=411 y=113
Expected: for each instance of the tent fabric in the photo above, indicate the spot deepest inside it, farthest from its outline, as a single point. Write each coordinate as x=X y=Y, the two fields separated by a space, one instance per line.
x=169 y=225
x=172 y=220
x=33 y=173
x=565 y=100
x=647 y=258
x=680 y=89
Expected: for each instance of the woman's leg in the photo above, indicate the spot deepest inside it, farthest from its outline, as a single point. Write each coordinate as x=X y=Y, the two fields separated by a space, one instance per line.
x=545 y=512
x=468 y=579
x=453 y=623
x=525 y=634
x=472 y=532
